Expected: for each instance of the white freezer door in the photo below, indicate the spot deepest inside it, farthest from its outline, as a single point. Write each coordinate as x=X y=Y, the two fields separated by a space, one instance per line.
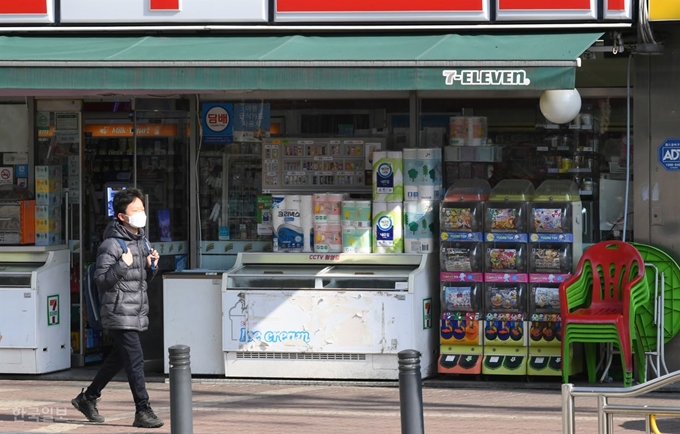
x=316 y=321
x=18 y=318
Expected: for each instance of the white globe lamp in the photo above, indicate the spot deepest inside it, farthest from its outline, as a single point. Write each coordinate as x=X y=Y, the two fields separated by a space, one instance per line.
x=560 y=106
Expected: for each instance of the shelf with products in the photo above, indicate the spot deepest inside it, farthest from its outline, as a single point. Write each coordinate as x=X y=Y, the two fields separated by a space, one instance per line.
x=307 y=164
x=229 y=186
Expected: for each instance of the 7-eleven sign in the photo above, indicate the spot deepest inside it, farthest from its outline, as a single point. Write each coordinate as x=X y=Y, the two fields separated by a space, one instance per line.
x=164 y=5
x=53 y=310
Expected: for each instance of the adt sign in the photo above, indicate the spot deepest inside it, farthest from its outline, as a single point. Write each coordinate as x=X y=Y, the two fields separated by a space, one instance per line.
x=669 y=154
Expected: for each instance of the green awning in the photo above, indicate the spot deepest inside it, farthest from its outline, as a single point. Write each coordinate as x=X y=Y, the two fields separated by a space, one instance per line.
x=293 y=62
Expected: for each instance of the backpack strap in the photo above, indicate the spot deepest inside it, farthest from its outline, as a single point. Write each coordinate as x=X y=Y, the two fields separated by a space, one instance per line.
x=123 y=245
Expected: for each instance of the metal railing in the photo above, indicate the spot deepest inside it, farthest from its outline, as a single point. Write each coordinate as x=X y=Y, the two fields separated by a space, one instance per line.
x=605 y=425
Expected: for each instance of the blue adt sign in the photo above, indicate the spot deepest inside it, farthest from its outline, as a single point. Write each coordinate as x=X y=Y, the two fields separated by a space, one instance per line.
x=669 y=154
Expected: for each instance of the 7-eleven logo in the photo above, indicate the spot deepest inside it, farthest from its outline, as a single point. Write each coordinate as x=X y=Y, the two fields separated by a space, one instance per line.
x=23 y=7
x=164 y=5
x=53 y=310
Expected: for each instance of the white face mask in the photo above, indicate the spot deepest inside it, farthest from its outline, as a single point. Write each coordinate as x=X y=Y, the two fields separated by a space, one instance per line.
x=137 y=220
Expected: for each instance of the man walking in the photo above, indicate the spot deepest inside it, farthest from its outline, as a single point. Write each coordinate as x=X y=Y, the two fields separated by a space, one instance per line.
x=122 y=279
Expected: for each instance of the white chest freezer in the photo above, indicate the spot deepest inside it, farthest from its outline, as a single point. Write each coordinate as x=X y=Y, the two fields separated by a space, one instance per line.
x=343 y=316
x=35 y=309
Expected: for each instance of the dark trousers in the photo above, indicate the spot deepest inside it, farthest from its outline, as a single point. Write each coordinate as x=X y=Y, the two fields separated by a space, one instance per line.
x=127 y=353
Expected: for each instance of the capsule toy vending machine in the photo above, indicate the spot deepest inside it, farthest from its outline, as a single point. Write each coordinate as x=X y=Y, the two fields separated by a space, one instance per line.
x=461 y=256
x=506 y=278
x=555 y=246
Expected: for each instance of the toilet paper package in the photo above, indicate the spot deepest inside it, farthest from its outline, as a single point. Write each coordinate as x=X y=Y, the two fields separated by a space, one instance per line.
x=328 y=238
x=387 y=227
x=388 y=177
x=362 y=215
x=307 y=222
x=287 y=224
x=412 y=168
x=356 y=240
x=320 y=206
x=348 y=212
x=420 y=226
x=334 y=208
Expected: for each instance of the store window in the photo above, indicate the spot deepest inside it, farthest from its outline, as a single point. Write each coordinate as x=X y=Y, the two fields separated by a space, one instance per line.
x=281 y=146
x=498 y=139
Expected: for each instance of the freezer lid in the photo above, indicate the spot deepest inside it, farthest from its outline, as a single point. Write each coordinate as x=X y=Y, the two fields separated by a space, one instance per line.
x=369 y=271
x=304 y=259
x=277 y=270
x=17 y=269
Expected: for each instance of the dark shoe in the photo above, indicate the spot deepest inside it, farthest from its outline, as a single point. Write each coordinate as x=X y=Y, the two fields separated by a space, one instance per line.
x=88 y=407
x=147 y=419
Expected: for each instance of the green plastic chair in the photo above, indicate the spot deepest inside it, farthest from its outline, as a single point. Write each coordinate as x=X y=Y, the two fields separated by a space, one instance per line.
x=591 y=338
x=599 y=302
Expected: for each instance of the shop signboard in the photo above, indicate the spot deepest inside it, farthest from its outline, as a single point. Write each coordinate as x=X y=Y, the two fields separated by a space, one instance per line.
x=176 y=12
x=545 y=10
x=669 y=154
x=251 y=121
x=499 y=78
x=26 y=11
x=181 y=12
x=664 y=10
x=217 y=121
x=382 y=10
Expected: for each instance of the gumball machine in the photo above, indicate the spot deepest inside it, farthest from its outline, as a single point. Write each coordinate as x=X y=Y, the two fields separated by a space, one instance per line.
x=506 y=278
x=555 y=247
x=462 y=280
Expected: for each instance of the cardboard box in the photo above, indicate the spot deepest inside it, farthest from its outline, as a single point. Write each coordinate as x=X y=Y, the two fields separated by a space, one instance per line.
x=48 y=225
x=48 y=185
x=47 y=172
x=47 y=238
x=17 y=222
x=47 y=212
x=48 y=199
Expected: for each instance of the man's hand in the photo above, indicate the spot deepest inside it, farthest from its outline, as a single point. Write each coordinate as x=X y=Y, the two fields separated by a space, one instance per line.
x=127 y=257
x=152 y=259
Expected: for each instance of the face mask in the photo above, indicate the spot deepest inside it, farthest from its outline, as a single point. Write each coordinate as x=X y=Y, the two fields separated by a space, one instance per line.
x=137 y=220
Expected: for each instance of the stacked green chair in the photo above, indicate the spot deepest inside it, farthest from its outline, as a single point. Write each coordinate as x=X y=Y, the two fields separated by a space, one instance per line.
x=598 y=304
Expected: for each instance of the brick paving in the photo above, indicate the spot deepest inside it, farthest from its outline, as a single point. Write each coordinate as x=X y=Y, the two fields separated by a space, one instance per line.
x=263 y=407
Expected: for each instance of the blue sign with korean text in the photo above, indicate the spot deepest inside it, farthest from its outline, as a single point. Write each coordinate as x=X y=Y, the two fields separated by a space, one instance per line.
x=251 y=121
x=669 y=154
x=217 y=122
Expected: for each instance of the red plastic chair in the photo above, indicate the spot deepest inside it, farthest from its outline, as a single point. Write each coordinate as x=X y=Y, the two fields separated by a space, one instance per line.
x=600 y=293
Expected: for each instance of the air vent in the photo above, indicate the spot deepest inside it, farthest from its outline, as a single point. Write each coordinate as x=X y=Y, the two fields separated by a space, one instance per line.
x=302 y=356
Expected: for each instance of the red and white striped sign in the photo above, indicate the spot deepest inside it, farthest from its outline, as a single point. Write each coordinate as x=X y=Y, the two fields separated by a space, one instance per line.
x=26 y=11
x=164 y=5
x=163 y=11
x=382 y=10
x=24 y=7
x=547 y=10
x=378 y=6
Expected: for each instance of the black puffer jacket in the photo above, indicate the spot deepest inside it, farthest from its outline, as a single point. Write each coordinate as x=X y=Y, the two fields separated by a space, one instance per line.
x=122 y=288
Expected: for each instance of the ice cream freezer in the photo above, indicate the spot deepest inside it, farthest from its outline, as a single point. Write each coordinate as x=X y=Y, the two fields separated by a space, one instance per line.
x=35 y=310
x=336 y=316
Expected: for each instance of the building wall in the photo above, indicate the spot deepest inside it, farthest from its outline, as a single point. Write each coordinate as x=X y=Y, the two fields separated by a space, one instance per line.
x=656 y=190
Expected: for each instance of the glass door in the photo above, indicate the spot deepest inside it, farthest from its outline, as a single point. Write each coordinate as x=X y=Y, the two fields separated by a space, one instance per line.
x=161 y=172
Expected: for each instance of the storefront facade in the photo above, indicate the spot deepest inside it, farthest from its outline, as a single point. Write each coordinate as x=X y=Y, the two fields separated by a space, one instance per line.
x=141 y=75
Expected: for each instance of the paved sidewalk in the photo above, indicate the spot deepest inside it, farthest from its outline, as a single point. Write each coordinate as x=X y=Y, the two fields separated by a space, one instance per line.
x=223 y=406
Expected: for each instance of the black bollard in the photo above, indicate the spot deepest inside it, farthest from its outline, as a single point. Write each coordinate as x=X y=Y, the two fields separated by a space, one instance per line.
x=410 y=393
x=181 y=407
